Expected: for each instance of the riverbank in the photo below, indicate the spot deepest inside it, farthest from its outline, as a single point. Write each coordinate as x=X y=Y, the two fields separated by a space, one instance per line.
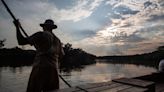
x=151 y=59
x=15 y=57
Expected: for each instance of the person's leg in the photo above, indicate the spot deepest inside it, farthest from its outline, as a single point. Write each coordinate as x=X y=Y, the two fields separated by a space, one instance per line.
x=35 y=81
x=51 y=81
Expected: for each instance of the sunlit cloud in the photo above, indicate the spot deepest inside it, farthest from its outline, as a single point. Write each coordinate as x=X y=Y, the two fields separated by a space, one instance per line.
x=131 y=34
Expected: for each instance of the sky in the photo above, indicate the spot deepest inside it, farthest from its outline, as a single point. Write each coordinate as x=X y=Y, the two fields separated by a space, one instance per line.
x=99 y=27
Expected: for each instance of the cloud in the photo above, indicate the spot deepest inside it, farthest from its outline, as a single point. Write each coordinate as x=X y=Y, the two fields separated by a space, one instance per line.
x=83 y=9
x=137 y=33
x=154 y=18
x=149 y=4
x=161 y=3
x=132 y=4
x=79 y=35
x=123 y=37
x=123 y=10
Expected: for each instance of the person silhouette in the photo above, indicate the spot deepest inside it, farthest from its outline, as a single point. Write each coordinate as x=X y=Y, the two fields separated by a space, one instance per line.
x=161 y=66
x=44 y=74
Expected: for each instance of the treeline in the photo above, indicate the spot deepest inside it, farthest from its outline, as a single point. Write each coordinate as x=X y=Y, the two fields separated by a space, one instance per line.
x=74 y=57
x=147 y=59
x=16 y=57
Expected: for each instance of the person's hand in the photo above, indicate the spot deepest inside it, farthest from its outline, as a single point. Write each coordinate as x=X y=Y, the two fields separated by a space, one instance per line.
x=16 y=23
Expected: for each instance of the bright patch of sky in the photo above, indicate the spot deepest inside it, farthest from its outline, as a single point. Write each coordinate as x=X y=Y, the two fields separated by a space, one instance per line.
x=100 y=27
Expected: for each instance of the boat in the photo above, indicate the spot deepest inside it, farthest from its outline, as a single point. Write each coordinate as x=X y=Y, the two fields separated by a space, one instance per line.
x=157 y=78
x=147 y=83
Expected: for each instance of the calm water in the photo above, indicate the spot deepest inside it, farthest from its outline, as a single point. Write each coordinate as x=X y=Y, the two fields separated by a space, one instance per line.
x=15 y=79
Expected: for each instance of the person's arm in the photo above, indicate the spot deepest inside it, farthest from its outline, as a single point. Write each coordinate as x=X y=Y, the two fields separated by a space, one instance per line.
x=21 y=39
x=61 y=52
x=61 y=55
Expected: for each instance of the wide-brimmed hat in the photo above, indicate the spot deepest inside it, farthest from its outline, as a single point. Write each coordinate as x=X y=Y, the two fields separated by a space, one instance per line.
x=49 y=23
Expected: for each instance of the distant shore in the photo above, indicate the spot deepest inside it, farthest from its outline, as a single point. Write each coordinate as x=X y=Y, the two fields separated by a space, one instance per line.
x=147 y=59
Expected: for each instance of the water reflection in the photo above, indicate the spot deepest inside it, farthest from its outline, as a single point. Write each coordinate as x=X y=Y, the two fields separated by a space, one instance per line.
x=15 y=79
x=105 y=72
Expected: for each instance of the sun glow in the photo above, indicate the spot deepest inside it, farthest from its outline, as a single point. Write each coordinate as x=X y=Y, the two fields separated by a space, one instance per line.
x=107 y=32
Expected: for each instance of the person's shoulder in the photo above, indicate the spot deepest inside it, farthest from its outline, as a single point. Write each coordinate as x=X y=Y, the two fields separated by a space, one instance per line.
x=35 y=37
x=47 y=34
x=37 y=33
x=42 y=33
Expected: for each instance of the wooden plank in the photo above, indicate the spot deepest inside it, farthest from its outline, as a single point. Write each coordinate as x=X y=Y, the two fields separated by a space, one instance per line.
x=95 y=85
x=98 y=89
x=159 y=87
x=135 y=82
x=117 y=88
x=100 y=86
x=114 y=87
x=86 y=86
x=134 y=89
x=67 y=90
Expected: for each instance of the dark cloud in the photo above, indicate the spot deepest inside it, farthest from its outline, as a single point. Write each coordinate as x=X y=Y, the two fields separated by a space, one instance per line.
x=121 y=49
x=116 y=16
x=87 y=33
x=156 y=18
x=127 y=25
x=83 y=34
x=149 y=4
x=123 y=37
x=161 y=3
x=161 y=43
x=124 y=10
x=115 y=50
x=151 y=31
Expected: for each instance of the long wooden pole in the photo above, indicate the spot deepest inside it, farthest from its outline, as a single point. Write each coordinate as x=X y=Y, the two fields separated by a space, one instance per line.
x=70 y=85
x=12 y=15
x=65 y=81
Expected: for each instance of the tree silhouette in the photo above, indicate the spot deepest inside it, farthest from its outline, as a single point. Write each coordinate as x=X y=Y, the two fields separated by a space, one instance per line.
x=2 y=43
x=76 y=58
x=161 y=48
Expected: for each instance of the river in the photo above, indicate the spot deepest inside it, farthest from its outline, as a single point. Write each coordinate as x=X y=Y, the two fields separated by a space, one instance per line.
x=16 y=79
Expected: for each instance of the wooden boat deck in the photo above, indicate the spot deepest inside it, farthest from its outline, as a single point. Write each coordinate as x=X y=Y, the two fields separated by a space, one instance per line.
x=159 y=87
x=147 y=83
x=118 y=85
x=157 y=77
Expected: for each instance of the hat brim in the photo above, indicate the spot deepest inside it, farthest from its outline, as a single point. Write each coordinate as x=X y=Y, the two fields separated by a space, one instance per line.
x=52 y=26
